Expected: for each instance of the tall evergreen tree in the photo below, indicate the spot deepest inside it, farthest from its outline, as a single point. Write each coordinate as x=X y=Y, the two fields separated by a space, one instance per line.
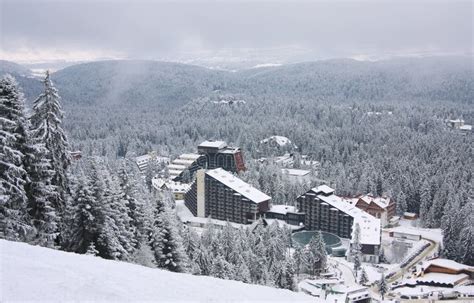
x=426 y=201
x=383 y=287
x=466 y=244
x=14 y=222
x=298 y=257
x=363 y=277
x=46 y=122
x=42 y=194
x=115 y=239
x=355 y=248
x=401 y=203
x=166 y=240
x=84 y=212
x=451 y=227
x=316 y=255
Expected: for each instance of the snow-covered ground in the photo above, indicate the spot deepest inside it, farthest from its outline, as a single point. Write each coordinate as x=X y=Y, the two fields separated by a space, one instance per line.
x=31 y=273
x=433 y=234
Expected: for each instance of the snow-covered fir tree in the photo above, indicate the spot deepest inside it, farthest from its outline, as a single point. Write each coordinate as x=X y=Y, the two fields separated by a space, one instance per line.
x=299 y=261
x=426 y=201
x=363 y=279
x=191 y=245
x=46 y=121
x=451 y=226
x=166 y=240
x=14 y=221
x=115 y=240
x=355 y=248
x=83 y=215
x=466 y=239
x=42 y=193
x=382 y=286
x=316 y=255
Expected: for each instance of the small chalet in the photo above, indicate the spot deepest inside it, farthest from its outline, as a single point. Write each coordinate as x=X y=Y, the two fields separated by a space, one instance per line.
x=178 y=189
x=382 y=208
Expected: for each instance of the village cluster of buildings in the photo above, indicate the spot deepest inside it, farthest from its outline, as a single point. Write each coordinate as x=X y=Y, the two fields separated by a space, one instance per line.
x=208 y=183
x=208 y=189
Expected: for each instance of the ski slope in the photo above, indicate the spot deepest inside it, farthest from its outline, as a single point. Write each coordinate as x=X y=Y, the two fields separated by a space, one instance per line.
x=31 y=273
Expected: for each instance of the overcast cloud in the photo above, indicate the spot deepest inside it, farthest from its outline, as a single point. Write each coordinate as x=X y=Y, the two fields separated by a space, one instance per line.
x=83 y=30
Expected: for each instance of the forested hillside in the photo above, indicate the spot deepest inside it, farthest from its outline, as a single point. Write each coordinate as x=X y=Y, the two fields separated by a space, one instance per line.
x=135 y=83
x=442 y=78
x=31 y=85
x=152 y=83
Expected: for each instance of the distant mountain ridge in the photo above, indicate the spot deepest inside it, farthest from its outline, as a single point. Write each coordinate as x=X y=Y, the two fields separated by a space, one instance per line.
x=135 y=82
x=31 y=86
x=13 y=68
x=171 y=85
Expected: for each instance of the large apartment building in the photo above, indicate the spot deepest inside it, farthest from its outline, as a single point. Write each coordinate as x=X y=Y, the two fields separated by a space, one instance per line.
x=218 y=194
x=219 y=154
x=328 y=212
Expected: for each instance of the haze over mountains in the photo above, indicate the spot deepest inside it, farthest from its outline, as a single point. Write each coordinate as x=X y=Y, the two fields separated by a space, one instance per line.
x=174 y=84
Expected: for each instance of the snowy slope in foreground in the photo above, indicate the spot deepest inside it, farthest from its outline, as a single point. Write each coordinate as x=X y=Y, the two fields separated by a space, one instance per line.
x=31 y=273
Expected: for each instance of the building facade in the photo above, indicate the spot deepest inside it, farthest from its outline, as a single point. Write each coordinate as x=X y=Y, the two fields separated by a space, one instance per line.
x=150 y=158
x=328 y=212
x=286 y=213
x=383 y=208
x=220 y=195
x=219 y=154
x=184 y=167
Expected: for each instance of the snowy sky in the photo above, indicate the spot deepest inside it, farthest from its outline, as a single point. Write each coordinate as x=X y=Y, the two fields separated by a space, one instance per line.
x=38 y=30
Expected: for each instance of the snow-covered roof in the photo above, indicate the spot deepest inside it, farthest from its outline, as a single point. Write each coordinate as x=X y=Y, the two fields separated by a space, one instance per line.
x=238 y=185
x=174 y=166
x=213 y=144
x=456 y=121
x=448 y=264
x=369 y=225
x=323 y=189
x=440 y=278
x=140 y=159
x=282 y=223
x=174 y=186
x=175 y=172
x=183 y=161
x=295 y=172
x=189 y=156
x=285 y=159
x=148 y=157
x=282 y=209
x=178 y=187
x=405 y=230
x=382 y=202
x=280 y=140
x=230 y=150
x=466 y=127
x=158 y=182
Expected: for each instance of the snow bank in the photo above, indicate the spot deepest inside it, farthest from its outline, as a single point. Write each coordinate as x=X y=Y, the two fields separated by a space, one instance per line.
x=30 y=273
